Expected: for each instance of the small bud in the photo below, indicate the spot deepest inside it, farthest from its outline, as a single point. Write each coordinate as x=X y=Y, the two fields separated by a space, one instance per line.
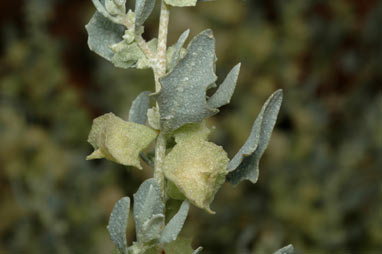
x=129 y=36
x=130 y=20
x=118 y=47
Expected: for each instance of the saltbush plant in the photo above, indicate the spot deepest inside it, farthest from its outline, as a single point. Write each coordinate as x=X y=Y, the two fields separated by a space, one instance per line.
x=187 y=166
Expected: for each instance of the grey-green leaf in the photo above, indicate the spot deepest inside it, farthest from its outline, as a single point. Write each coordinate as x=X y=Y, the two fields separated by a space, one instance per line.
x=198 y=250
x=178 y=47
x=175 y=225
x=118 y=223
x=143 y=9
x=139 y=107
x=138 y=114
x=147 y=203
x=285 y=250
x=116 y=8
x=100 y=6
x=245 y=164
x=102 y=34
x=223 y=94
x=182 y=98
x=152 y=228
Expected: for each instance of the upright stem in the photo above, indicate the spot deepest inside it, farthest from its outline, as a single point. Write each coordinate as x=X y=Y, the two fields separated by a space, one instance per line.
x=162 y=44
x=160 y=153
x=146 y=50
x=160 y=71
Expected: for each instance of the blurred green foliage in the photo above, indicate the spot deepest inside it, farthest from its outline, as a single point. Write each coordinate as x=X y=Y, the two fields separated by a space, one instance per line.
x=320 y=184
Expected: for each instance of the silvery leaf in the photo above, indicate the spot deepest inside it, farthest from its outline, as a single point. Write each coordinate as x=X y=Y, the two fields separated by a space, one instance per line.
x=102 y=34
x=198 y=250
x=182 y=98
x=147 y=203
x=285 y=250
x=139 y=107
x=115 y=7
x=118 y=223
x=245 y=164
x=143 y=9
x=138 y=114
x=100 y=6
x=175 y=225
x=152 y=228
x=223 y=94
x=177 y=49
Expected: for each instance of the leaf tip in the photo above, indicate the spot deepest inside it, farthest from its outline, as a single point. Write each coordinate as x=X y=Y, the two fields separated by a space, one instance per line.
x=209 y=33
x=279 y=92
x=97 y=154
x=208 y=209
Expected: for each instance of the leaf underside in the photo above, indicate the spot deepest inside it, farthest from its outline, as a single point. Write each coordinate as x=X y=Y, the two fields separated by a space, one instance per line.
x=100 y=6
x=175 y=225
x=285 y=250
x=139 y=107
x=223 y=94
x=118 y=223
x=147 y=204
x=143 y=9
x=102 y=34
x=245 y=164
x=152 y=228
x=177 y=49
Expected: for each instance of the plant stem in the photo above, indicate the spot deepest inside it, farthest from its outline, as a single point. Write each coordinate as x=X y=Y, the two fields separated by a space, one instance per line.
x=160 y=152
x=145 y=49
x=160 y=71
x=162 y=43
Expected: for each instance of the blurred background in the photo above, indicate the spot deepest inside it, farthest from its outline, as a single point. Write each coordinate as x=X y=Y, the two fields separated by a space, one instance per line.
x=320 y=184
